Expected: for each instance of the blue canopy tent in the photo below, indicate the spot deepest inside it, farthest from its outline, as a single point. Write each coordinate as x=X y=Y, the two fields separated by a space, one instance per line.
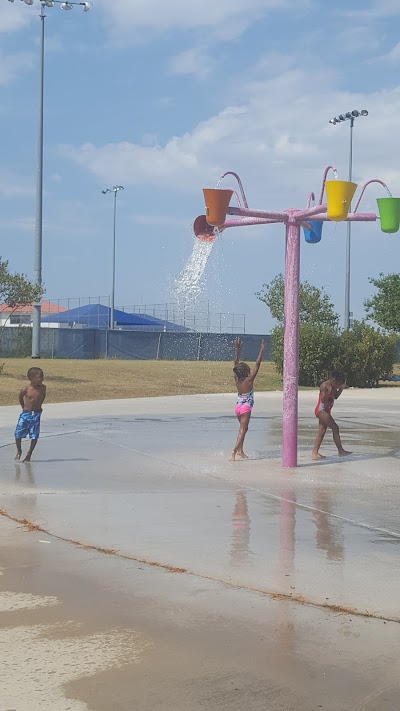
x=98 y=316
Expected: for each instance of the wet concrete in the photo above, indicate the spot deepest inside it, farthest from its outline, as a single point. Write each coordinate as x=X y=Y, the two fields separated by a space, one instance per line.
x=291 y=578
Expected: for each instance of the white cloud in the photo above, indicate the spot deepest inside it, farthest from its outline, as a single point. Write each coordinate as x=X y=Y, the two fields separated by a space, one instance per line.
x=11 y=187
x=359 y=39
x=278 y=139
x=162 y=220
x=134 y=16
x=12 y=65
x=14 y=17
x=377 y=9
x=392 y=56
x=196 y=61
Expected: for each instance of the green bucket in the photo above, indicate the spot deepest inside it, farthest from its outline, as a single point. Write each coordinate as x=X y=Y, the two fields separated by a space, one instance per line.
x=389 y=213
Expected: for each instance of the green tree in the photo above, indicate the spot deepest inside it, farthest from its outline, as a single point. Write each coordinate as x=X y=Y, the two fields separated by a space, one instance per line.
x=315 y=305
x=318 y=352
x=384 y=306
x=366 y=354
x=15 y=289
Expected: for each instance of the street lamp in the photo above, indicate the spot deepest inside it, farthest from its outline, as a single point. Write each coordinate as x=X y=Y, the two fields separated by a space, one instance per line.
x=349 y=116
x=116 y=189
x=37 y=268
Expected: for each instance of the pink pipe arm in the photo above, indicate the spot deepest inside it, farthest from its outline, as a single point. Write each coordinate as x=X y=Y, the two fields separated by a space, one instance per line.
x=359 y=217
x=330 y=167
x=374 y=180
x=262 y=214
x=248 y=221
x=311 y=199
x=235 y=175
x=313 y=211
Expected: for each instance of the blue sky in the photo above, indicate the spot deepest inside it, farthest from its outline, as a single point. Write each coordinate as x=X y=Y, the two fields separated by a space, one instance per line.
x=162 y=97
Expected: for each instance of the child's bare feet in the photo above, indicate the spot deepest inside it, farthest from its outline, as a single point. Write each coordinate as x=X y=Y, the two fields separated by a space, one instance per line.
x=343 y=453
x=242 y=455
x=18 y=456
x=317 y=455
x=233 y=456
x=27 y=458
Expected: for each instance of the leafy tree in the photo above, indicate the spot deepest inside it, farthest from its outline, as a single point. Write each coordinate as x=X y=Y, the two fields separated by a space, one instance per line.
x=315 y=305
x=318 y=351
x=366 y=355
x=384 y=306
x=16 y=290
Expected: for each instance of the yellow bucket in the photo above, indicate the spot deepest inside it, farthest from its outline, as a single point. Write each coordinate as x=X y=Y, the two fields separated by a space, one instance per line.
x=339 y=194
x=217 y=203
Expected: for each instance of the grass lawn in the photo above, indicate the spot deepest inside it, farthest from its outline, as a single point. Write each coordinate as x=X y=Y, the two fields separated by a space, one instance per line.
x=75 y=380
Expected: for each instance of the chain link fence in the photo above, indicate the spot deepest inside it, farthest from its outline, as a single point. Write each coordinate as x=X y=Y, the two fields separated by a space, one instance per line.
x=130 y=345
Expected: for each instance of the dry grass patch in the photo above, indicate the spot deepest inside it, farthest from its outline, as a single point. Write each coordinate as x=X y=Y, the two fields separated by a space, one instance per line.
x=78 y=380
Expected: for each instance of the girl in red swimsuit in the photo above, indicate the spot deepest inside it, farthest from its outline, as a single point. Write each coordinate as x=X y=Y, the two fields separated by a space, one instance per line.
x=329 y=391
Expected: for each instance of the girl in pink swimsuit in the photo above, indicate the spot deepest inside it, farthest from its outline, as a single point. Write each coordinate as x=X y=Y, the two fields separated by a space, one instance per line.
x=244 y=379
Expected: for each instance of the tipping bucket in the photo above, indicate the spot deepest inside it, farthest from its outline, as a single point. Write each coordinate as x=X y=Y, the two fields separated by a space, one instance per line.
x=339 y=194
x=314 y=235
x=203 y=230
x=217 y=203
x=389 y=213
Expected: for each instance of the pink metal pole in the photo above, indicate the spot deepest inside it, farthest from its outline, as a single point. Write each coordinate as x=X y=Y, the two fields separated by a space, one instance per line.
x=263 y=214
x=291 y=344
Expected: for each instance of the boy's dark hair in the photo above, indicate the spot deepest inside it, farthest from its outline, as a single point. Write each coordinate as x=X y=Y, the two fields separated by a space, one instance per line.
x=34 y=371
x=339 y=376
x=241 y=370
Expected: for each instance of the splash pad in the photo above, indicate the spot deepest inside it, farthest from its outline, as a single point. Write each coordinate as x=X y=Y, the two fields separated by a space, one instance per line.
x=339 y=194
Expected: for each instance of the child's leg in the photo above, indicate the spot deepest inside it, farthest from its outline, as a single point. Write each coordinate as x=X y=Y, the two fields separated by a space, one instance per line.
x=31 y=448
x=336 y=437
x=18 y=443
x=243 y=427
x=318 y=439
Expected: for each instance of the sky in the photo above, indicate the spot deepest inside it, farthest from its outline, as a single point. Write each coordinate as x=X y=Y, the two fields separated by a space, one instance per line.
x=162 y=97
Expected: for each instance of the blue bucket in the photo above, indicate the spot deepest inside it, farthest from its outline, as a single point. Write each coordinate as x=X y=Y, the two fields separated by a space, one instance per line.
x=314 y=235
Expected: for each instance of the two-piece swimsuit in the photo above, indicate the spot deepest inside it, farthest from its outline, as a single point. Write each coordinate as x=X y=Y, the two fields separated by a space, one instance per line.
x=244 y=403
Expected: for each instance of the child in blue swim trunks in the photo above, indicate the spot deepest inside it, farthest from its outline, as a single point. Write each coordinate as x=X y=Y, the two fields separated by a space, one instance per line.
x=31 y=399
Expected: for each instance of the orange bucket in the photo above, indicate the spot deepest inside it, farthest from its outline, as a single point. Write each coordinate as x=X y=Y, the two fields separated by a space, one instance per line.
x=217 y=203
x=203 y=230
x=339 y=194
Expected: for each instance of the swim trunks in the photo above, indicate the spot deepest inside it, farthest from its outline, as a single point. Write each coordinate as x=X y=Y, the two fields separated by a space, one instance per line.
x=28 y=424
x=244 y=403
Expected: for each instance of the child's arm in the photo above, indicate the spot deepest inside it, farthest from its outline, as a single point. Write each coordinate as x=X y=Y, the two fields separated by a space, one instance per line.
x=21 y=396
x=339 y=391
x=44 y=394
x=236 y=350
x=258 y=361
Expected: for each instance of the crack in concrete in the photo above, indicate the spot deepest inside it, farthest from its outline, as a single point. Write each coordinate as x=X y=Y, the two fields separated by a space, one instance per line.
x=286 y=597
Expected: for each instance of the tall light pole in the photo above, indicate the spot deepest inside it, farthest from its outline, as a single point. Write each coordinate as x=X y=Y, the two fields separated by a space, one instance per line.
x=116 y=189
x=349 y=116
x=37 y=265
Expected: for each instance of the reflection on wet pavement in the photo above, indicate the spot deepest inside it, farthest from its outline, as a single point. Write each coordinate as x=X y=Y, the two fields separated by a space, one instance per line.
x=159 y=490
